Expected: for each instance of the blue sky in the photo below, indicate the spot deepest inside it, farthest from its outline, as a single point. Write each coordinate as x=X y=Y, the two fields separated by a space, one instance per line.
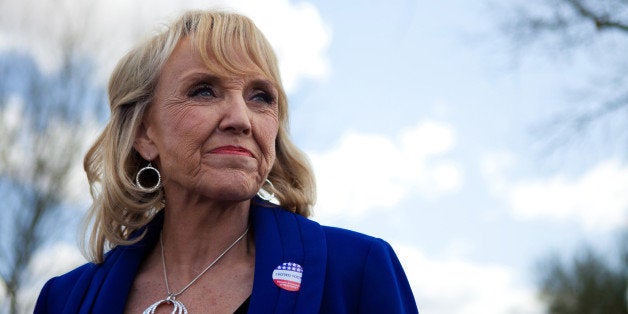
x=418 y=119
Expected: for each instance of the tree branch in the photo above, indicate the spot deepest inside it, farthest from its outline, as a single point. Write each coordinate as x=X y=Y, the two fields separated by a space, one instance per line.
x=583 y=120
x=601 y=22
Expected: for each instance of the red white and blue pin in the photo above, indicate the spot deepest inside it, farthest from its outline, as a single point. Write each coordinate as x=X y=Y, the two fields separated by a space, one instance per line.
x=288 y=276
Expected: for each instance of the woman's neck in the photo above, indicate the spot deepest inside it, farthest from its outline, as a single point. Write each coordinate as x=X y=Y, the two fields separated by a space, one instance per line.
x=195 y=234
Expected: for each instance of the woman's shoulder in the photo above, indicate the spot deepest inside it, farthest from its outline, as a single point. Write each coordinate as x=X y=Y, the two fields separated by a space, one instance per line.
x=70 y=278
x=88 y=283
x=365 y=269
x=339 y=233
x=355 y=247
x=345 y=239
x=337 y=239
x=56 y=291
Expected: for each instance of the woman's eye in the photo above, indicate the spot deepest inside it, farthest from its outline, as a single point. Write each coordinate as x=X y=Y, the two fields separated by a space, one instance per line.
x=202 y=91
x=263 y=97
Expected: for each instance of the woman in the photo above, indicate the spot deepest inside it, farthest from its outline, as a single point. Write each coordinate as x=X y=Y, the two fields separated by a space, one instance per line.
x=198 y=128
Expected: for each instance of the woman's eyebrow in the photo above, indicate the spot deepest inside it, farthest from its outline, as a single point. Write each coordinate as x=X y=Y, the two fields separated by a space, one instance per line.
x=201 y=76
x=263 y=83
x=257 y=81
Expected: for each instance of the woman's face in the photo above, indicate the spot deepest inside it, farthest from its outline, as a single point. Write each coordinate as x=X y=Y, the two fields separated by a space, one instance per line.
x=211 y=135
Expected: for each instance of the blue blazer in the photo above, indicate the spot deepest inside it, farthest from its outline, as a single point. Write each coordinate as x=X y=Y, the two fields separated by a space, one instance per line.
x=343 y=271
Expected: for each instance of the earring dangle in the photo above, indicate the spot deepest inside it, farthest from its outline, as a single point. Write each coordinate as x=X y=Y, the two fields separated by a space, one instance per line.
x=148 y=179
x=265 y=195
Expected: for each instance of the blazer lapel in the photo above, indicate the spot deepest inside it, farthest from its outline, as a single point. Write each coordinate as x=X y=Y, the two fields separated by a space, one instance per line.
x=110 y=284
x=283 y=237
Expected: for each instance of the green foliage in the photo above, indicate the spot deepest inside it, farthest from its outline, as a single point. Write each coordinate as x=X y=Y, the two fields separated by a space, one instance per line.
x=588 y=283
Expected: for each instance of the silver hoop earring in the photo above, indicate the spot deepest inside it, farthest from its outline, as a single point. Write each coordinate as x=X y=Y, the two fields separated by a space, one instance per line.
x=265 y=195
x=151 y=178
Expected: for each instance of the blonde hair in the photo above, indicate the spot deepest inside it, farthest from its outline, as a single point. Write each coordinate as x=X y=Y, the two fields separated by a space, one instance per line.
x=120 y=207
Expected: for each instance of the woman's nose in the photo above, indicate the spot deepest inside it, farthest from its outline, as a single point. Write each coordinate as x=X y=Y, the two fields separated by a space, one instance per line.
x=236 y=118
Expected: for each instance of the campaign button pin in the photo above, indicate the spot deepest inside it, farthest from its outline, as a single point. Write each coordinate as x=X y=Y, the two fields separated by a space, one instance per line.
x=288 y=276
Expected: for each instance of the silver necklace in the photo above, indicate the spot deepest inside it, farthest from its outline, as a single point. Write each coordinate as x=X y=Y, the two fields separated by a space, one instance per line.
x=179 y=307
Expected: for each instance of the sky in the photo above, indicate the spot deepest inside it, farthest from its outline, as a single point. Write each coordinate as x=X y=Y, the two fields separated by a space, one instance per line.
x=420 y=124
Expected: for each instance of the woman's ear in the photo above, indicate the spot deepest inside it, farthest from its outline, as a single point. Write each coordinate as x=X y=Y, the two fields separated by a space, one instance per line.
x=144 y=145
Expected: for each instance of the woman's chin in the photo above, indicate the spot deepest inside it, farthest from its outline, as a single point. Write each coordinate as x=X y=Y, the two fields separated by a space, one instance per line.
x=234 y=197
x=231 y=192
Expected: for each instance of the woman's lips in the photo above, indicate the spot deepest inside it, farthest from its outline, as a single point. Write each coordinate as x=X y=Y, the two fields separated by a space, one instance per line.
x=231 y=150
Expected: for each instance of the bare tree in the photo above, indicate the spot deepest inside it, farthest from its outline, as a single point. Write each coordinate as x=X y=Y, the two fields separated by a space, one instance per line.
x=594 y=31
x=562 y=29
x=40 y=140
x=43 y=118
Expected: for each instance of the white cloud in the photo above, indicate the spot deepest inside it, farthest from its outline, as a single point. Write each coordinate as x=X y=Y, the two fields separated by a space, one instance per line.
x=596 y=199
x=367 y=171
x=296 y=30
x=494 y=167
x=55 y=260
x=11 y=118
x=451 y=286
x=298 y=34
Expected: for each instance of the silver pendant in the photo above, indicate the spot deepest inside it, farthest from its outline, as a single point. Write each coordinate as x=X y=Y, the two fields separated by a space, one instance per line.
x=179 y=308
